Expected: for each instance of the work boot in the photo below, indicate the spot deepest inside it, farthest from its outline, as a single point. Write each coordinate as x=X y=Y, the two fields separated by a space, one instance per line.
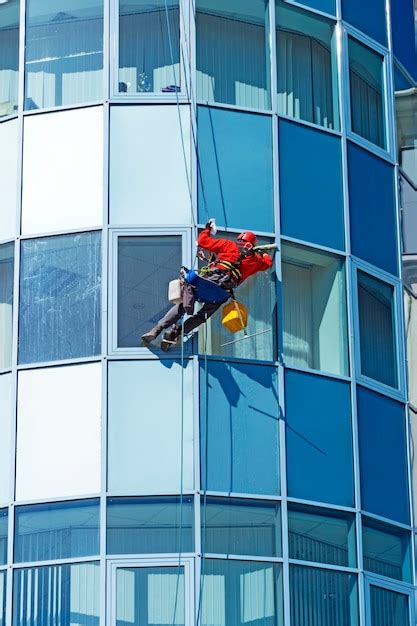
x=170 y=338
x=152 y=334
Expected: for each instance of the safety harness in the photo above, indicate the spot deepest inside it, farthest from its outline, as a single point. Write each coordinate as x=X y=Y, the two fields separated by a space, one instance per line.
x=231 y=270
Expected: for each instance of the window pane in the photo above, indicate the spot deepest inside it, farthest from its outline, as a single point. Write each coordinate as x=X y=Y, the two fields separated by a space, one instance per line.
x=3 y=536
x=258 y=293
x=147 y=596
x=320 y=536
x=46 y=532
x=6 y=304
x=368 y=17
x=238 y=592
x=367 y=105
x=323 y=597
x=149 y=525
x=409 y=230
x=64 y=53
x=59 y=594
x=386 y=550
x=376 y=328
x=2 y=598
x=149 y=33
x=9 y=57
x=145 y=267
x=306 y=66
x=234 y=526
x=233 y=53
x=314 y=313
x=235 y=426
x=60 y=298
x=389 y=607
x=406 y=109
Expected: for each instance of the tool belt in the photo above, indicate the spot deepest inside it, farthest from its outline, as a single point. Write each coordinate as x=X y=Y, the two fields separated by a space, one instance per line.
x=230 y=275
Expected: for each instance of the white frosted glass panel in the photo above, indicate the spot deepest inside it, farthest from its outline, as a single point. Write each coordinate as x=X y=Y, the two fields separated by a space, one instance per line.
x=9 y=152
x=144 y=429
x=63 y=171
x=147 y=168
x=58 y=433
x=5 y=434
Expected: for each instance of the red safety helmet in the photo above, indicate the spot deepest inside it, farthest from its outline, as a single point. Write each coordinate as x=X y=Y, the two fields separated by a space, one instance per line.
x=247 y=239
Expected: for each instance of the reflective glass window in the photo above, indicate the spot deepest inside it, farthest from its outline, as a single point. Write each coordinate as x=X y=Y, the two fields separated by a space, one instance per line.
x=145 y=267
x=367 y=106
x=406 y=112
x=235 y=526
x=241 y=592
x=403 y=34
x=319 y=439
x=306 y=66
x=408 y=193
x=314 y=310
x=57 y=594
x=327 y=6
x=324 y=597
x=150 y=525
x=382 y=436
x=258 y=294
x=7 y=425
x=9 y=56
x=6 y=304
x=321 y=535
x=376 y=329
x=3 y=576
x=368 y=17
x=60 y=298
x=62 y=530
x=233 y=52
x=3 y=535
x=239 y=417
x=149 y=47
x=64 y=53
x=386 y=549
x=389 y=607
x=223 y=137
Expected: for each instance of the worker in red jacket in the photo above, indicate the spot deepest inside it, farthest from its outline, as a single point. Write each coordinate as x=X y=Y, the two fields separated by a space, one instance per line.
x=234 y=262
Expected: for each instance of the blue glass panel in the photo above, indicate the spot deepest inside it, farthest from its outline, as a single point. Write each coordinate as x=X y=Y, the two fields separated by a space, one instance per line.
x=237 y=593
x=386 y=549
x=64 y=53
x=319 y=439
x=3 y=536
x=372 y=209
x=56 y=531
x=60 y=304
x=323 y=597
x=403 y=37
x=235 y=172
x=369 y=17
x=242 y=407
x=6 y=304
x=58 y=594
x=389 y=607
x=235 y=526
x=382 y=436
x=149 y=525
x=311 y=185
x=9 y=59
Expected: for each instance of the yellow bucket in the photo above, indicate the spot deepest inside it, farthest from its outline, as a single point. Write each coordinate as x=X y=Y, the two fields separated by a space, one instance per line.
x=235 y=316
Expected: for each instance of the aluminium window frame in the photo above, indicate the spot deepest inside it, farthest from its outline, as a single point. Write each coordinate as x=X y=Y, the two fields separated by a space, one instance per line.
x=184 y=60
x=374 y=580
x=114 y=236
x=387 y=91
x=399 y=392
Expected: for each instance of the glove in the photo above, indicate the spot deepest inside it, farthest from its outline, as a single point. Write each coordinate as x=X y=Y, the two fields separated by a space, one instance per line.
x=211 y=224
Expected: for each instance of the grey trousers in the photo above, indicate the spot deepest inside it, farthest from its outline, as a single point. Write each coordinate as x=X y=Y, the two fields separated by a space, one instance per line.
x=187 y=306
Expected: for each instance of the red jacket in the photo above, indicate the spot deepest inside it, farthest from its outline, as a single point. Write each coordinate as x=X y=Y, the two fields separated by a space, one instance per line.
x=227 y=250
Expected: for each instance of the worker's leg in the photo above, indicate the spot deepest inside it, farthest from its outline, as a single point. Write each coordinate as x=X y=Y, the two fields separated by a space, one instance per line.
x=174 y=314
x=206 y=311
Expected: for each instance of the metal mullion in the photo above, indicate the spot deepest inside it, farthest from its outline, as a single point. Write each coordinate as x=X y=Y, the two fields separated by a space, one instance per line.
x=63 y=107
x=57 y=233
x=316 y=127
x=233 y=107
x=58 y=500
x=322 y=373
x=63 y=363
x=322 y=505
x=136 y=558
x=374 y=45
x=314 y=246
x=242 y=496
x=387 y=521
x=69 y=561
x=370 y=147
x=326 y=566
x=107 y=57
x=313 y=10
x=21 y=79
x=243 y=557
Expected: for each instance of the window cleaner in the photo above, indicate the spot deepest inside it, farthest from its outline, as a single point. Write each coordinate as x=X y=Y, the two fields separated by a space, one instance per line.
x=231 y=263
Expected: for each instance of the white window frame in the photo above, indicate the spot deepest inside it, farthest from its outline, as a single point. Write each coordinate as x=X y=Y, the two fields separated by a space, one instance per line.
x=382 y=583
x=185 y=56
x=387 y=91
x=114 y=564
x=114 y=235
x=398 y=392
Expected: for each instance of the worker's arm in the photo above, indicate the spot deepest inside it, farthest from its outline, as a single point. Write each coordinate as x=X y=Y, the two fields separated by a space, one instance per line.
x=206 y=241
x=265 y=261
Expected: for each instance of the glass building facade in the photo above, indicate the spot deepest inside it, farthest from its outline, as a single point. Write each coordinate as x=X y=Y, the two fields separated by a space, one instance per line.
x=265 y=482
